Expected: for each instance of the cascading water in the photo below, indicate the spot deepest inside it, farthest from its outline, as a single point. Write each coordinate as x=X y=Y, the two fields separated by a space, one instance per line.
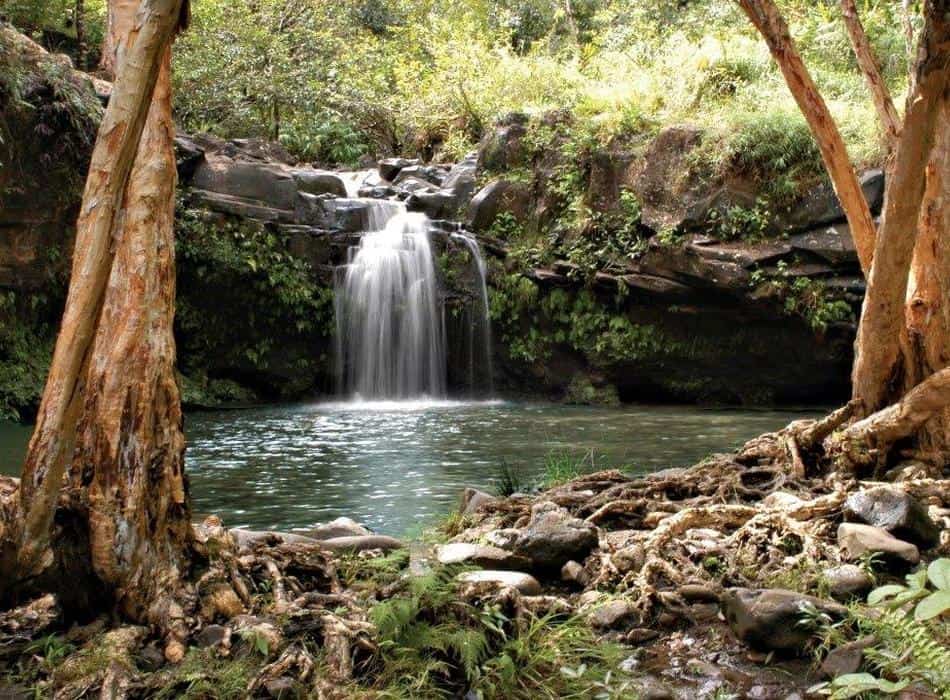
x=480 y=326
x=391 y=341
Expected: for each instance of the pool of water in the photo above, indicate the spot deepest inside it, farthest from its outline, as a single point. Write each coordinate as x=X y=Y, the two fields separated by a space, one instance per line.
x=393 y=466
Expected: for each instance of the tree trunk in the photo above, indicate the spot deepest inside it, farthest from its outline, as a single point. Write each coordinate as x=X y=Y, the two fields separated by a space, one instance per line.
x=880 y=95
x=880 y=374
x=111 y=411
x=769 y=21
x=926 y=338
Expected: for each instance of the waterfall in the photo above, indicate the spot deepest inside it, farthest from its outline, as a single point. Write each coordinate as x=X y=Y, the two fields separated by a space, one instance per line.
x=481 y=327
x=390 y=338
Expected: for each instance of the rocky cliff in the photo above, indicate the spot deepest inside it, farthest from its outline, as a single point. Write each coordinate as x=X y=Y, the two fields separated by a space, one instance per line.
x=620 y=271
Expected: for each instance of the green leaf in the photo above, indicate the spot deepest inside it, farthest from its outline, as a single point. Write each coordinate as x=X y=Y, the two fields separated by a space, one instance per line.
x=933 y=605
x=939 y=574
x=879 y=594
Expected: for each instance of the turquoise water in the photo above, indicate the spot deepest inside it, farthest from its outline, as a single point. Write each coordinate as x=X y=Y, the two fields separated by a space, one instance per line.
x=396 y=465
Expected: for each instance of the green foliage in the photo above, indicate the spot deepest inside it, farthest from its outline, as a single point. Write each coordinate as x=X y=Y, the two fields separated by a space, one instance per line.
x=910 y=641
x=804 y=297
x=508 y=481
x=279 y=311
x=931 y=600
x=560 y=467
x=373 y=572
x=26 y=349
x=203 y=675
x=434 y=645
x=417 y=79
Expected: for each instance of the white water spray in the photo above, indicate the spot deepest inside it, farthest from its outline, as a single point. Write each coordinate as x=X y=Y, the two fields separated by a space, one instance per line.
x=389 y=329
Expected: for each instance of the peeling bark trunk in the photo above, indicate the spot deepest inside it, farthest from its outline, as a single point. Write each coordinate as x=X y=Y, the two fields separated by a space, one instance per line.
x=772 y=26
x=926 y=338
x=880 y=95
x=111 y=411
x=880 y=373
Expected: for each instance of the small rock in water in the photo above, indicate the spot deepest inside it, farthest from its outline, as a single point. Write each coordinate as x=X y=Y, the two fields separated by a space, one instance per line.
x=341 y=527
x=481 y=555
x=615 y=615
x=572 y=572
x=771 y=619
x=361 y=543
x=857 y=540
x=847 y=581
x=895 y=511
x=525 y=584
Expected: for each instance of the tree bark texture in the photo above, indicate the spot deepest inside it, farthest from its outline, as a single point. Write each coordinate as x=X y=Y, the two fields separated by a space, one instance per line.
x=111 y=411
x=880 y=374
x=765 y=15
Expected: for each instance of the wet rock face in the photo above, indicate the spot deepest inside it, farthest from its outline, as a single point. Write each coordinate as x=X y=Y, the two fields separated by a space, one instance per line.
x=895 y=511
x=553 y=537
x=857 y=540
x=771 y=619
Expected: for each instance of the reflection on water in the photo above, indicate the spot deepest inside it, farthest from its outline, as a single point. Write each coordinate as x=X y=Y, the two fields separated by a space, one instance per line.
x=392 y=465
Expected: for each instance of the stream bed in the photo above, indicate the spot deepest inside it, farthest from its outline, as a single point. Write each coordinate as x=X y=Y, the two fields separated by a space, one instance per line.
x=397 y=466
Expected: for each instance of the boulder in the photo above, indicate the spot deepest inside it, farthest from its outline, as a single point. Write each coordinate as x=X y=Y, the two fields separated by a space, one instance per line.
x=267 y=183
x=553 y=537
x=460 y=180
x=895 y=511
x=574 y=573
x=481 y=555
x=331 y=213
x=820 y=206
x=847 y=582
x=772 y=619
x=361 y=543
x=319 y=182
x=523 y=583
x=847 y=658
x=499 y=196
x=341 y=527
x=473 y=499
x=241 y=207
x=833 y=243
x=501 y=148
x=857 y=540
x=688 y=266
x=429 y=173
x=615 y=615
x=389 y=167
x=188 y=155
x=214 y=636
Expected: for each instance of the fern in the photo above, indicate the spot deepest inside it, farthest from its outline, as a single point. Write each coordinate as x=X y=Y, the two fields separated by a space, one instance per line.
x=907 y=648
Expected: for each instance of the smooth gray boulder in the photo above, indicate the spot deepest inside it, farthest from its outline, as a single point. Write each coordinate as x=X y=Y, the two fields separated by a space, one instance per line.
x=481 y=555
x=774 y=619
x=389 y=167
x=847 y=582
x=361 y=543
x=615 y=615
x=895 y=511
x=319 y=182
x=856 y=540
x=341 y=527
x=473 y=499
x=267 y=183
x=553 y=537
x=525 y=584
